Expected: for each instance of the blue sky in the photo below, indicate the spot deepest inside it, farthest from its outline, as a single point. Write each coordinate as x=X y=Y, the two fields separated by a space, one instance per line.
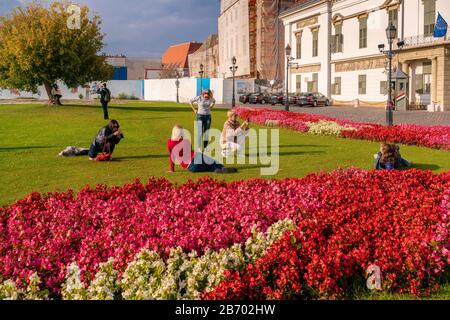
x=145 y=28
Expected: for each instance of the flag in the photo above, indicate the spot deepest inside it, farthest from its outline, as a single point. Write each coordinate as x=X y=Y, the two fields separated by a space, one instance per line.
x=440 y=29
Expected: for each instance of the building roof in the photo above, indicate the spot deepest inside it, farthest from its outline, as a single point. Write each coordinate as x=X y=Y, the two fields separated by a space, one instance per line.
x=298 y=6
x=177 y=55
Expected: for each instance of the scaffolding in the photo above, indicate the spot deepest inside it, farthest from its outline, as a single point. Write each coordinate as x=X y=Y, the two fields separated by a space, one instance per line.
x=266 y=39
x=269 y=39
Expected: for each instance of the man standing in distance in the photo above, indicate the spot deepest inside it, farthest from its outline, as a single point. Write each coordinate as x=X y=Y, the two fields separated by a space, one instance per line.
x=105 y=98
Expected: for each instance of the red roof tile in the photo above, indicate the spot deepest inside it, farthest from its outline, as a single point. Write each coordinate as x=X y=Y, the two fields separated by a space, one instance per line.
x=177 y=55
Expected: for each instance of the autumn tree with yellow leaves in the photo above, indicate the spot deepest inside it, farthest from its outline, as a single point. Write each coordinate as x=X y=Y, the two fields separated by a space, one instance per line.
x=41 y=44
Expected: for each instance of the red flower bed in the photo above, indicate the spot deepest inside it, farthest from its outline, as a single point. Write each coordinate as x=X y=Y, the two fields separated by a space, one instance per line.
x=399 y=222
x=437 y=137
x=346 y=220
x=45 y=234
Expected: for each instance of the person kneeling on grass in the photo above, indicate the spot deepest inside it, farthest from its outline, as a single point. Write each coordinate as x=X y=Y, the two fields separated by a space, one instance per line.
x=180 y=151
x=233 y=135
x=389 y=158
x=106 y=139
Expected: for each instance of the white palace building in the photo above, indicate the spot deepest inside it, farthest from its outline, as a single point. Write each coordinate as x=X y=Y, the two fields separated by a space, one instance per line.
x=335 y=50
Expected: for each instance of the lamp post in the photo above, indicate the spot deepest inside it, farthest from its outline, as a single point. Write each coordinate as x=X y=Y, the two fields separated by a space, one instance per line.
x=201 y=72
x=177 y=84
x=391 y=34
x=233 y=70
x=272 y=83
x=289 y=63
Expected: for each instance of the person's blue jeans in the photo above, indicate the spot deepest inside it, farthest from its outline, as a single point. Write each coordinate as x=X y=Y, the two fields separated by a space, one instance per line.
x=95 y=149
x=384 y=166
x=105 y=109
x=203 y=125
x=203 y=163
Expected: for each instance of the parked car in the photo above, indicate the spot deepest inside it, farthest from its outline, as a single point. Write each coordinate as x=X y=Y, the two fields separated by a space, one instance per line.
x=293 y=98
x=245 y=98
x=259 y=98
x=277 y=98
x=313 y=99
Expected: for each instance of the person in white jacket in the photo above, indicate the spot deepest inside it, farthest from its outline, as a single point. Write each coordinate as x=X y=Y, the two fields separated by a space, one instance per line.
x=233 y=135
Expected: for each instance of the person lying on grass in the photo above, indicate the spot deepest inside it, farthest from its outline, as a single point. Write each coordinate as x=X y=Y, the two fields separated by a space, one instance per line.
x=180 y=151
x=389 y=158
x=105 y=141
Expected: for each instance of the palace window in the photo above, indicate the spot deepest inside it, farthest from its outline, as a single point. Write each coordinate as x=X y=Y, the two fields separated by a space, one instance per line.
x=384 y=88
x=299 y=46
x=314 y=84
x=362 y=84
x=337 y=41
x=315 y=43
x=298 y=82
x=429 y=16
x=393 y=17
x=336 y=88
x=363 y=33
x=426 y=77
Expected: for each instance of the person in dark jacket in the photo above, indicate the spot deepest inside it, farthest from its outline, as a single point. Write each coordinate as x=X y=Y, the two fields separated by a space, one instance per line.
x=105 y=98
x=56 y=93
x=389 y=158
x=106 y=139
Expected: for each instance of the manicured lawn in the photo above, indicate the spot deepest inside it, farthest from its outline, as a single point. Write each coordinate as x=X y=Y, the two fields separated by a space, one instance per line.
x=33 y=135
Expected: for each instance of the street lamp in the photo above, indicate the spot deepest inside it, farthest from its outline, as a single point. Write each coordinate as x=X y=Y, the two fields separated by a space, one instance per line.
x=289 y=63
x=177 y=84
x=272 y=83
x=233 y=70
x=201 y=72
x=391 y=35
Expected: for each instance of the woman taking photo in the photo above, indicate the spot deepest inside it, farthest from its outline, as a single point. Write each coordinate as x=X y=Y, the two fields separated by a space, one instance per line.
x=205 y=103
x=233 y=135
x=106 y=140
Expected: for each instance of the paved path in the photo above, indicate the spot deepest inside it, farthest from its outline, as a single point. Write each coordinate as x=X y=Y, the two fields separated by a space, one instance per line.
x=373 y=115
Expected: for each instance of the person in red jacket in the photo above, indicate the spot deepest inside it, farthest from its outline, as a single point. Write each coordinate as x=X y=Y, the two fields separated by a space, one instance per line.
x=180 y=151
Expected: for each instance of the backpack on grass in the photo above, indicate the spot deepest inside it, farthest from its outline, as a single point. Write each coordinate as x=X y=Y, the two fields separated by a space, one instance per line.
x=105 y=155
x=107 y=95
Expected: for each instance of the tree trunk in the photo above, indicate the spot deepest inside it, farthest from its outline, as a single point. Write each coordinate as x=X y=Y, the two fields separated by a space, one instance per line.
x=48 y=89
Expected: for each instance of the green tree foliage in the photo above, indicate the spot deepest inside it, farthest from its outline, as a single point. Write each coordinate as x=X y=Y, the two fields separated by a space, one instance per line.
x=39 y=46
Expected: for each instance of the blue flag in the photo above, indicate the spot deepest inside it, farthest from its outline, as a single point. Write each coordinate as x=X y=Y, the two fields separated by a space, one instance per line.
x=440 y=30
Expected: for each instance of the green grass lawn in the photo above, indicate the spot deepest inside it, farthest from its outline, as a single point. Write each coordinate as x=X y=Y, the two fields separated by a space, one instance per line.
x=33 y=135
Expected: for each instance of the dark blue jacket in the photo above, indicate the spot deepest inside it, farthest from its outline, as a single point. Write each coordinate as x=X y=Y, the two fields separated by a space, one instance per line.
x=102 y=92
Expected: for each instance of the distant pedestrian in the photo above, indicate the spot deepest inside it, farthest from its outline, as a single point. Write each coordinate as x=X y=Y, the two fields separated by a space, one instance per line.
x=56 y=94
x=205 y=103
x=105 y=98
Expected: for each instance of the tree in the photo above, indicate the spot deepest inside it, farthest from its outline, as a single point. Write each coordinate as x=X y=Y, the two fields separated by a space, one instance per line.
x=39 y=46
